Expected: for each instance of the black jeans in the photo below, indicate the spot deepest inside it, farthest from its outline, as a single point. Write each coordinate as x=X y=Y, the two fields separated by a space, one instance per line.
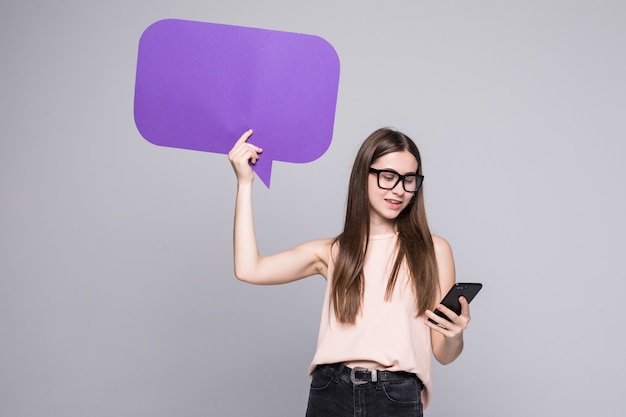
x=340 y=391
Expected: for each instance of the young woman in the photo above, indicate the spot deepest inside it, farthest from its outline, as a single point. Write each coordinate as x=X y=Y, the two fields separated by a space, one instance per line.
x=385 y=274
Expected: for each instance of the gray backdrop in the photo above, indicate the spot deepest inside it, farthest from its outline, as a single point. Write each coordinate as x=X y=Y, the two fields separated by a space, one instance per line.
x=117 y=296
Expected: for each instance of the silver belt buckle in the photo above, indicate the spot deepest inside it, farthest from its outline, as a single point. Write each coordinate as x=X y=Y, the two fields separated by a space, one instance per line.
x=353 y=375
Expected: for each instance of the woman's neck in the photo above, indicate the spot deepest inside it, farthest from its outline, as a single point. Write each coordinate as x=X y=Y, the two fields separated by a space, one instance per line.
x=382 y=227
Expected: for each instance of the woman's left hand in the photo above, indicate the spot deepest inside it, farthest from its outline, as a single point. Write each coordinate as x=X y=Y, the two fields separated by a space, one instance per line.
x=454 y=327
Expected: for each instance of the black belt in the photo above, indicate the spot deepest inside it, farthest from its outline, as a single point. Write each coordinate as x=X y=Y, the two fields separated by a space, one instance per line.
x=359 y=375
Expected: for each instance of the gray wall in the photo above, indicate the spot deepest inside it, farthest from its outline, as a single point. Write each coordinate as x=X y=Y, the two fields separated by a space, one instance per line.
x=117 y=296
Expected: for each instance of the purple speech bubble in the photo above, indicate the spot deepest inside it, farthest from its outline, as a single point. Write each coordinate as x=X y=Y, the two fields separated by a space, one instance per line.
x=200 y=85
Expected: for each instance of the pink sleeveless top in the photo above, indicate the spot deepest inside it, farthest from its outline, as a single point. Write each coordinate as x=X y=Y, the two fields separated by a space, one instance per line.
x=387 y=335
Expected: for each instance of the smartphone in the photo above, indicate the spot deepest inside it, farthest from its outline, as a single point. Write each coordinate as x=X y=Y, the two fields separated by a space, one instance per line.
x=451 y=300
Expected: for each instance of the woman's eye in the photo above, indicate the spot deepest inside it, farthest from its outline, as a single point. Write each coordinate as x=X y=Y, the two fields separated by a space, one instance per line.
x=389 y=177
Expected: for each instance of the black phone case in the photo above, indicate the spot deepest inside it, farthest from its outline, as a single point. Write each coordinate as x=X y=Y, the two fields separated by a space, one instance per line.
x=451 y=300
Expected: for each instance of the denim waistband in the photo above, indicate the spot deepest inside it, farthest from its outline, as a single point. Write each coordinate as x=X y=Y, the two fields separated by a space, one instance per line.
x=359 y=376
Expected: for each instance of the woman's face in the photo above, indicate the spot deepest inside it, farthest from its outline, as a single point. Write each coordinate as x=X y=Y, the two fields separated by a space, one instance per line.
x=386 y=205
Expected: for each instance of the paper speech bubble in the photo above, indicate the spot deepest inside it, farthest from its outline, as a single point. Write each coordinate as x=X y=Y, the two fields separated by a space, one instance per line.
x=200 y=85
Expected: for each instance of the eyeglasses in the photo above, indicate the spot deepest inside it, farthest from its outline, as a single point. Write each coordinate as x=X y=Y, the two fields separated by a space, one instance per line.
x=388 y=179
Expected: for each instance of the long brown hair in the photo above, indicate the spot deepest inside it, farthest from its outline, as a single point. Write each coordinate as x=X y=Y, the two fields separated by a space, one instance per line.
x=414 y=246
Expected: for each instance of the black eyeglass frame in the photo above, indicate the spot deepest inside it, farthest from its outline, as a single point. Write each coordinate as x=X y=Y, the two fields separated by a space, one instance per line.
x=418 y=178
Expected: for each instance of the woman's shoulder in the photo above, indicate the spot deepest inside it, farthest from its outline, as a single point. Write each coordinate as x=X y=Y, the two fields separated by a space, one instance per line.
x=439 y=241
x=442 y=247
x=321 y=248
x=323 y=244
x=318 y=253
x=445 y=262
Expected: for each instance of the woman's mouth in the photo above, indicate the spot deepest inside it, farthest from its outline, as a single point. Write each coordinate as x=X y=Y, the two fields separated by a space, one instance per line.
x=393 y=203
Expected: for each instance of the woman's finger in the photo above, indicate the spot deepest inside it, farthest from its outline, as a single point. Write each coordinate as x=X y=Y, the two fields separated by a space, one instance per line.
x=241 y=147
x=244 y=137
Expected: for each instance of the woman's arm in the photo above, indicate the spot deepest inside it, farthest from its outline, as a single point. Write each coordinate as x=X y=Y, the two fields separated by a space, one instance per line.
x=447 y=336
x=307 y=259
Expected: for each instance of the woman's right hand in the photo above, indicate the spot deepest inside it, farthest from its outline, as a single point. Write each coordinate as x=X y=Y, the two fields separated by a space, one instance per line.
x=242 y=153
